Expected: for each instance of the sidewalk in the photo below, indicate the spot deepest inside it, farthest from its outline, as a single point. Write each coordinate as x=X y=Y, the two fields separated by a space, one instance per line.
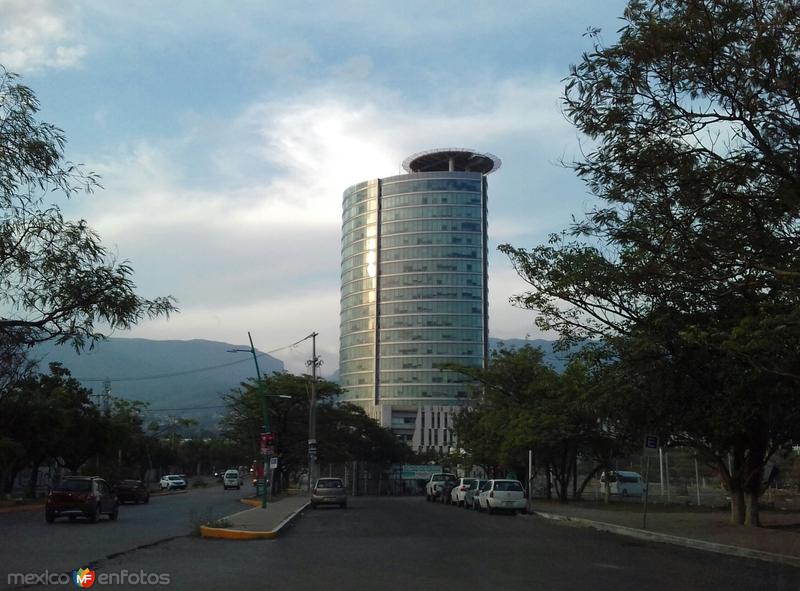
x=258 y=523
x=778 y=540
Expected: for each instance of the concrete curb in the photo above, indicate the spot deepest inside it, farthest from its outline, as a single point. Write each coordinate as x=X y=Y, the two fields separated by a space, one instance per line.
x=238 y=534
x=168 y=493
x=652 y=536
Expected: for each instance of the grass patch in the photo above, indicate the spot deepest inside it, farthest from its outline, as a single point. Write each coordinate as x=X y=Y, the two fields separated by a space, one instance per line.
x=207 y=519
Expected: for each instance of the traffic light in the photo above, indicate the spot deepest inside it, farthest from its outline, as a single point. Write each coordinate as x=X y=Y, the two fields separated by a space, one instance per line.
x=267 y=440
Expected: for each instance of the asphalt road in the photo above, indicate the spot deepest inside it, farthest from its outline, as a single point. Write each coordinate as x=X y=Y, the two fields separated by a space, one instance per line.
x=29 y=544
x=407 y=543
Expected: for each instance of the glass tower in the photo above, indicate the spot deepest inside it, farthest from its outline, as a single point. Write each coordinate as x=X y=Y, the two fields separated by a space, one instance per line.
x=414 y=290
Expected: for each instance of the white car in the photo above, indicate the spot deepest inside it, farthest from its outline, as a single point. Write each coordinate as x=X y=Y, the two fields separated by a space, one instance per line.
x=623 y=483
x=433 y=489
x=502 y=495
x=459 y=492
x=231 y=479
x=171 y=481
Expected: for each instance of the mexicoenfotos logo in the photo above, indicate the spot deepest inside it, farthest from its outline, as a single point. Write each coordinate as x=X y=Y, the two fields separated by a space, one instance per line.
x=83 y=577
x=86 y=577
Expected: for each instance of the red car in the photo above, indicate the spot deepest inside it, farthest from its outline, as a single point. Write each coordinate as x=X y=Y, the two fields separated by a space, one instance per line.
x=81 y=496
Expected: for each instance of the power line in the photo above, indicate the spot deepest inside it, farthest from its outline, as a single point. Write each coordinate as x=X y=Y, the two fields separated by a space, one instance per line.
x=188 y=371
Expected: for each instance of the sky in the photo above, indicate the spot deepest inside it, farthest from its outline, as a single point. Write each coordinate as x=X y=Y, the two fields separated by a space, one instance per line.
x=226 y=132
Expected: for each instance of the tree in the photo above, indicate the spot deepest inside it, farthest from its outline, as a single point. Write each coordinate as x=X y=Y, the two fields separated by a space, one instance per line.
x=122 y=447
x=525 y=405
x=690 y=270
x=57 y=281
x=344 y=431
x=50 y=416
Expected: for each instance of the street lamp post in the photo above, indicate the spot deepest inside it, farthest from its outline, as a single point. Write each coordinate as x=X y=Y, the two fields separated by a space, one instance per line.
x=263 y=398
x=312 y=413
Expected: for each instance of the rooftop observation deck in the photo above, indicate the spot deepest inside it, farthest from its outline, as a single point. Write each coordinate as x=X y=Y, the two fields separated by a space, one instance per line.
x=451 y=160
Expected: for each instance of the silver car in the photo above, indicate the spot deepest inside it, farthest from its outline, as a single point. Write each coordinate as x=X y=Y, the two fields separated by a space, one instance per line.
x=459 y=492
x=329 y=491
x=471 y=496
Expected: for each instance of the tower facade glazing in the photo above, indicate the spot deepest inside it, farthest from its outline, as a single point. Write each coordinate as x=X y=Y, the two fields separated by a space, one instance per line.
x=414 y=291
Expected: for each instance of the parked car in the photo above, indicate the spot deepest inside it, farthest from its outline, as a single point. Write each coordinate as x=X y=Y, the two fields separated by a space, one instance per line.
x=172 y=481
x=623 y=483
x=134 y=491
x=433 y=489
x=81 y=496
x=231 y=479
x=476 y=495
x=471 y=495
x=459 y=491
x=502 y=495
x=447 y=488
x=329 y=491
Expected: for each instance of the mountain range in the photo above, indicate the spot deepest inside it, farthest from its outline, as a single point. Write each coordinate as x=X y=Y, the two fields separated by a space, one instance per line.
x=556 y=359
x=186 y=379
x=183 y=379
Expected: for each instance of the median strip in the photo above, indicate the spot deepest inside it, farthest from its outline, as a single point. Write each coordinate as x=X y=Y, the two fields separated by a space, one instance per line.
x=258 y=523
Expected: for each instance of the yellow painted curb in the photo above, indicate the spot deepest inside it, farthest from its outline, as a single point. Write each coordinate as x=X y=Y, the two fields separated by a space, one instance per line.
x=251 y=502
x=235 y=534
x=238 y=534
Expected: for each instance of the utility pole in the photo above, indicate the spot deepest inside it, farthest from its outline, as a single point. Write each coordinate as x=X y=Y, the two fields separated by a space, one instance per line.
x=106 y=396
x=312 y=414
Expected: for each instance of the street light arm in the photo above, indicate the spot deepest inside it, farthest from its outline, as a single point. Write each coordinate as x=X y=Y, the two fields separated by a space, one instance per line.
x=263 y=399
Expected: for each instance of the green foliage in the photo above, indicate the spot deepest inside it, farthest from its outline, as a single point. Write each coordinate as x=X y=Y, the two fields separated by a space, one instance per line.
x=57 y=282
x=344 y=431
x=689 y=270
x=525 y=405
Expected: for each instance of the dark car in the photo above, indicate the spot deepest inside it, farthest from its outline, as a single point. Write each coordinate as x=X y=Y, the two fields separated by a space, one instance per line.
x=84 y=496
x=447 y=488
x=133 y=491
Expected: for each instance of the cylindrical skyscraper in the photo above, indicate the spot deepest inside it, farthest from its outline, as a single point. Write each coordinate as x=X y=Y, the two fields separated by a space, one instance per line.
x=414 y=291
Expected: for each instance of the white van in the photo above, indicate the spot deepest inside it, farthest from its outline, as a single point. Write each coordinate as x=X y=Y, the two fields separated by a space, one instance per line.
x=231 y=480
x=620 y=482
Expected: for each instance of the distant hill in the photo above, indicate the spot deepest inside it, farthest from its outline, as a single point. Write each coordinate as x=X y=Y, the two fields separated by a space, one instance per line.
x=556 y=359
x=167 y=374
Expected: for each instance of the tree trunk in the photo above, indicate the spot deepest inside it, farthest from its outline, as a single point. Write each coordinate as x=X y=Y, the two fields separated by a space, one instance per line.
x=751 y=516
x=586 y=480
x=563 y=489
x=575 y=476
x=8 y=483
x=548 y=493
x=737 y=506
x=34 y=480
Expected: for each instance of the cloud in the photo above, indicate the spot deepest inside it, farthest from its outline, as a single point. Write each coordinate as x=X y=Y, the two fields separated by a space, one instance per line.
x=507 y=321
x=357 y=67
x=287 y=56
x=37 y=34
x=245 y=230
